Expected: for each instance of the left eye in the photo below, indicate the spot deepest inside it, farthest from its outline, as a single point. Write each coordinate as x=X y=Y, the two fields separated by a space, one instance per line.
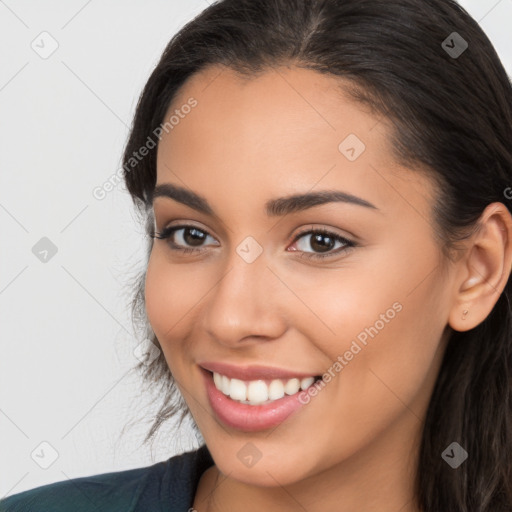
x=323 y=240
x=319 y=240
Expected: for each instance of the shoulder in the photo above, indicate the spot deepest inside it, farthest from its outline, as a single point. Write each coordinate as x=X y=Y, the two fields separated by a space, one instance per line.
x=152 y=488
x=107 y=491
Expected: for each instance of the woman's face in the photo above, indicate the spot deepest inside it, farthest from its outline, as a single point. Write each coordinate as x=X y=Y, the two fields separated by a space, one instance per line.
x=369 y=316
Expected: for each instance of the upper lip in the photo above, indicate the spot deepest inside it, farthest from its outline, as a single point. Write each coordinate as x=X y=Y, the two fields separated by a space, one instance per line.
x=253 y=372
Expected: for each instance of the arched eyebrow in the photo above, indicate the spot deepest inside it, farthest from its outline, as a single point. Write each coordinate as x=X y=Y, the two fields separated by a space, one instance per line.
x=274 y=207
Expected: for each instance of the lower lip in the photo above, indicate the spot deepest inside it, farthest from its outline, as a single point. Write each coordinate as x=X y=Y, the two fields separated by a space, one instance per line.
x=246 y=417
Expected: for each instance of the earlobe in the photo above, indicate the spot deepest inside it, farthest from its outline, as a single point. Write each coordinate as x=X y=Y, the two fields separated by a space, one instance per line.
x=485 y=270
x=463 y=319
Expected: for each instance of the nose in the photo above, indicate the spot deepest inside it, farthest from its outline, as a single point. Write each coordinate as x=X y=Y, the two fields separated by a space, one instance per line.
x=247 y=304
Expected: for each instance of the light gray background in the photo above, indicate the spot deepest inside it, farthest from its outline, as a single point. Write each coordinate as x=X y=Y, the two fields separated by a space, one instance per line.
x=67 y=344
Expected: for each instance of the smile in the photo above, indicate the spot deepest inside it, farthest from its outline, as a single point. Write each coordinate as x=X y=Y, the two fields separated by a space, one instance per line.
x=258 y=392
x=248 y=403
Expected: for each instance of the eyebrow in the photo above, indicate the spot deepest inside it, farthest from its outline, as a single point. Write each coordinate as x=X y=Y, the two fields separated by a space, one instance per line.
x=274 y=207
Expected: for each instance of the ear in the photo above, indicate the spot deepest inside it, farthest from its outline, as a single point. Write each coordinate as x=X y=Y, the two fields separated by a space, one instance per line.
x=484 y=270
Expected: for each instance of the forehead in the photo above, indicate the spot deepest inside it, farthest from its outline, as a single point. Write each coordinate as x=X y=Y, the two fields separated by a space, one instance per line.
x=286 y=128
x=288 y=105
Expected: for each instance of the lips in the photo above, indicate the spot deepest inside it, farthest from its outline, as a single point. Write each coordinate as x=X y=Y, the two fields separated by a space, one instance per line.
x=244 y=416
x=254 y=372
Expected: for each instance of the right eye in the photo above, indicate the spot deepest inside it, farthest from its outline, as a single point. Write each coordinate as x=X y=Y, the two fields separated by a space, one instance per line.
x=190 y=235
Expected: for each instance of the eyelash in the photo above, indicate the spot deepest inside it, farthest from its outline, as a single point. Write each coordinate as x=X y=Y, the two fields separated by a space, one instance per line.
x=168 y=232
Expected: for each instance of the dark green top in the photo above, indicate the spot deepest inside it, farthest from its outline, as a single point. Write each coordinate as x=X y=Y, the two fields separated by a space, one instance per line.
x=167 y=486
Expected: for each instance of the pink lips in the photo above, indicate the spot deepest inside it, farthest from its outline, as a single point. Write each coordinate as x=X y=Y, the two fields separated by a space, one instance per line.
x=253 y=372
x=250 y=418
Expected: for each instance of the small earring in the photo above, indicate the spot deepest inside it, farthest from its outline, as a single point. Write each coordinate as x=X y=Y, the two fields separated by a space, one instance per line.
x=464 y=313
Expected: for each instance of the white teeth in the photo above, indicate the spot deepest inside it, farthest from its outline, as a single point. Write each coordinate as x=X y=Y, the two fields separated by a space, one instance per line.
x=256 y=392
x=225 y=385
x=276 y=390
x=292 y=386
x=237 y=390
x=217 y=379
x=306 y=382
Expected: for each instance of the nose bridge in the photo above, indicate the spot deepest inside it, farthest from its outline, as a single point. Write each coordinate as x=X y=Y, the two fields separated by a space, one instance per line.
x=242 y=302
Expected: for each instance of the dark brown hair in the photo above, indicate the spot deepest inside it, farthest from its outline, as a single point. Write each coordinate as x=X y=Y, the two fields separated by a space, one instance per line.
x=451 y=114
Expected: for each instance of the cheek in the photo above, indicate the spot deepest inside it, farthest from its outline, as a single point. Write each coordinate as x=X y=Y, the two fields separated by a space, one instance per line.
x=346 y=306
x=170 y=294
x=157 y=297
x=385 y=323
x=387 y=338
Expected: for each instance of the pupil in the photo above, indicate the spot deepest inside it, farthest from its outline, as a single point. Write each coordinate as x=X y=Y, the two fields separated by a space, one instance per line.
x=321 y=247
x=196 y=238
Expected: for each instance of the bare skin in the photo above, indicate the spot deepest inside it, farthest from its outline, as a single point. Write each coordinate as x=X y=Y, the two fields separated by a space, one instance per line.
x=354 y=445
